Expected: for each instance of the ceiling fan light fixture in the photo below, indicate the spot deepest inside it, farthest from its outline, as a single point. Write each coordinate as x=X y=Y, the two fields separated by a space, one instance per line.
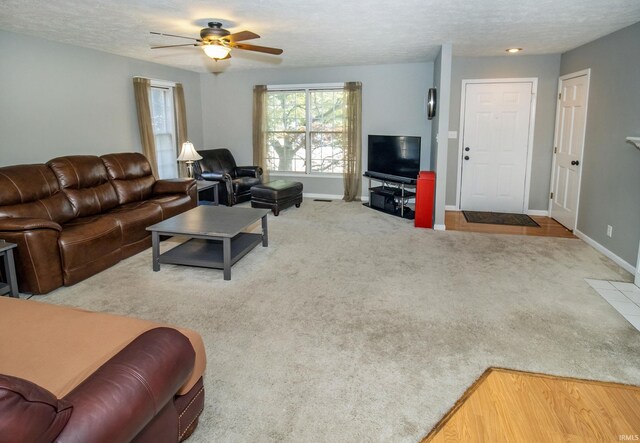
x=513 y=50
x=216 y=51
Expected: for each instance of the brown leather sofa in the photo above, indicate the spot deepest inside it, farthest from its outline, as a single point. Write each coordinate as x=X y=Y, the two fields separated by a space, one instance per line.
x=80 y=376
x=81 y=214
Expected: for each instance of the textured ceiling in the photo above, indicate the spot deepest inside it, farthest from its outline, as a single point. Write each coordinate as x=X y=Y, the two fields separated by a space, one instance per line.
x=321 y=33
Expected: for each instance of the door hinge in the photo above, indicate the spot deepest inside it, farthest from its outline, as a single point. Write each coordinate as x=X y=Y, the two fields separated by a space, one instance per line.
x=559 y=95
x=555 y=149
x=551 y=197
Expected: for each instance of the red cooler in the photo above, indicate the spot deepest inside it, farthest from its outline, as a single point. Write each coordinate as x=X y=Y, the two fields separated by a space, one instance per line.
x=424 y=199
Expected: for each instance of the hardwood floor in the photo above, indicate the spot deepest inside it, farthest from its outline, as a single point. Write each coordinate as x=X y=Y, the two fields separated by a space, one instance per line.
x=455 y=221
x=513 y=406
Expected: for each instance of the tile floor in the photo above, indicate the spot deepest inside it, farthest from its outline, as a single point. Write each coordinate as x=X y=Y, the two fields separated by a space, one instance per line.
x=624 y=297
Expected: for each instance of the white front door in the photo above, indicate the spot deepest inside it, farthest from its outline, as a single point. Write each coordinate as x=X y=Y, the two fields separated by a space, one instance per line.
x=571 y=118
x=495 y=142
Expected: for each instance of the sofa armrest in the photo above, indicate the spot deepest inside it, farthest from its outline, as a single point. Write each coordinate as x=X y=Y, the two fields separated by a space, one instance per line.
x=248 y=171
x=25 y=224
x=118 y=400
x=37 y=257
x=174 y=186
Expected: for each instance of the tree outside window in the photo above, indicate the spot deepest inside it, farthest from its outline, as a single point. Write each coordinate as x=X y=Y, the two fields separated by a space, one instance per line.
x=305 y=130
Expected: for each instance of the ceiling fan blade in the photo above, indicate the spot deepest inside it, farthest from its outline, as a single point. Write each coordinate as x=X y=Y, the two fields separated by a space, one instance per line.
x=173 y=35
x=265 y=49
x=241 y=36
x=174 y=46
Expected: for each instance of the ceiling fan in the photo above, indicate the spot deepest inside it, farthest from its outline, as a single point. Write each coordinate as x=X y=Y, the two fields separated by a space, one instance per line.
x=217 y=42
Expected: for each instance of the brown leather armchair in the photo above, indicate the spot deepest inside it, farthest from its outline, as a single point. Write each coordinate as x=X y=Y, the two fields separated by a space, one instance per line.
x=236 y=181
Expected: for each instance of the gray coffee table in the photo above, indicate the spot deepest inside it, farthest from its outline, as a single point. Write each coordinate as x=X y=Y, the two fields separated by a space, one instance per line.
x=216 y=236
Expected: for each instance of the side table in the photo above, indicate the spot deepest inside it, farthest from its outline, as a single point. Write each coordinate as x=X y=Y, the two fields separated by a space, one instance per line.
x=9 y=270
x=204 y=185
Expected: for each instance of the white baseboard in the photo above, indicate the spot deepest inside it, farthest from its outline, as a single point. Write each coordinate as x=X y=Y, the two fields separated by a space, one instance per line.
x=598 y=247
x=451 y=208
x=322 y=196
x=439 y=228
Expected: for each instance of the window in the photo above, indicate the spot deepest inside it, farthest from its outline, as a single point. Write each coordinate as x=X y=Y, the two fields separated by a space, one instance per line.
x=163 y=122
x=305 y=130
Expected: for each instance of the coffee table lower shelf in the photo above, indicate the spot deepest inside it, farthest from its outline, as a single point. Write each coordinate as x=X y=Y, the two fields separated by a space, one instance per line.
x=210 y=253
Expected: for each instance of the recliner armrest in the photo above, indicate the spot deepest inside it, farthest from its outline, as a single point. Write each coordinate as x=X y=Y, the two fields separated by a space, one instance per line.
x=248 y=171
x=220 y=176
x=118 y=400
x=25 y=224
x=174 y=186
x=29 y=412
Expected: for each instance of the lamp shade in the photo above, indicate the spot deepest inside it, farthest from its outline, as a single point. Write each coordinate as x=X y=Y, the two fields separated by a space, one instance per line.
x=188 y=153
x=216 y=51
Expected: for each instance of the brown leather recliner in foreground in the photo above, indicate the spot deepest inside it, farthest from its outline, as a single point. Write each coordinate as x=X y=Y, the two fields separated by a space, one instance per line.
x=81 y=376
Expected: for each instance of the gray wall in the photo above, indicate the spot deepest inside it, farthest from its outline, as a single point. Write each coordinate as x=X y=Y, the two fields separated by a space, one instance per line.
x=60 y=99
x=393 y=102
x=611 y=167
x=439 y=105
x=442 y=133
x=546 y=69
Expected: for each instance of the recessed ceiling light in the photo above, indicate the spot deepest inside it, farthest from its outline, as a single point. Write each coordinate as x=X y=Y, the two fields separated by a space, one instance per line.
x=513 y=50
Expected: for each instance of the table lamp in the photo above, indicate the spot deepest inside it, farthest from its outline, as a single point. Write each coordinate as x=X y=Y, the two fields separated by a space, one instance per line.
x=189 y=155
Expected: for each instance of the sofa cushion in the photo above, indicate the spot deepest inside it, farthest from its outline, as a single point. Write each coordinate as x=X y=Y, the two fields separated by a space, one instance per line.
x=89 y=245
x=134 y=218
x=57 y=349
x=172 y=205
x=29 y=412
x=84 y=180
x=131 y=176
x=32 y=191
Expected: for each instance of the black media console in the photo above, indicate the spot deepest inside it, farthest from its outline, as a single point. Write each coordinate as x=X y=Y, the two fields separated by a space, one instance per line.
x=392 y=195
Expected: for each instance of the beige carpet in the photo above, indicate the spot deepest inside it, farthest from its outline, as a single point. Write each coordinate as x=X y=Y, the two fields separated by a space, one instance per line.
x=354 y=326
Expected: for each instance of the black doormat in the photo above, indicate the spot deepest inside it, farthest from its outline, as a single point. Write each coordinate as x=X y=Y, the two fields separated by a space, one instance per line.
x=499 y=218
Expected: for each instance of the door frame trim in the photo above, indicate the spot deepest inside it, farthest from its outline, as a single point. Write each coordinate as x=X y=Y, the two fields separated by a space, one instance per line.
x=582 y=72
x=532 y=126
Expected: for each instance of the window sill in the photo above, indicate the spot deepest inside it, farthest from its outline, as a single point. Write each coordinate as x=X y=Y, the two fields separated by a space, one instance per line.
x=303 y=175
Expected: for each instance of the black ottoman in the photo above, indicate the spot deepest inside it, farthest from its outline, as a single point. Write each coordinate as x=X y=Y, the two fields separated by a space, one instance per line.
x=276 y=195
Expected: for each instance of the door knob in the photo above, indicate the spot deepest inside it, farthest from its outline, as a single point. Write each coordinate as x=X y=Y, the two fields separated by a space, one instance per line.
x=466 y=157
x=467 y=148
x=575 y=162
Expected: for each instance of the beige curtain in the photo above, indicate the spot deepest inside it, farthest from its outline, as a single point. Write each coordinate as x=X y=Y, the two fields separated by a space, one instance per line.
x=353 y=140
x=142 y=90
x=181 y=125
x=259 y=129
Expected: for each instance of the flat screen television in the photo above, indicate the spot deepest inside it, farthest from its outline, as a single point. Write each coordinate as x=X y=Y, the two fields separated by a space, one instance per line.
x=394 y=157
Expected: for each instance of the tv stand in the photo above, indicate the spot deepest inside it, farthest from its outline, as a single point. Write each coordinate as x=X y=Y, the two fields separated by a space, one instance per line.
x=391 y=194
